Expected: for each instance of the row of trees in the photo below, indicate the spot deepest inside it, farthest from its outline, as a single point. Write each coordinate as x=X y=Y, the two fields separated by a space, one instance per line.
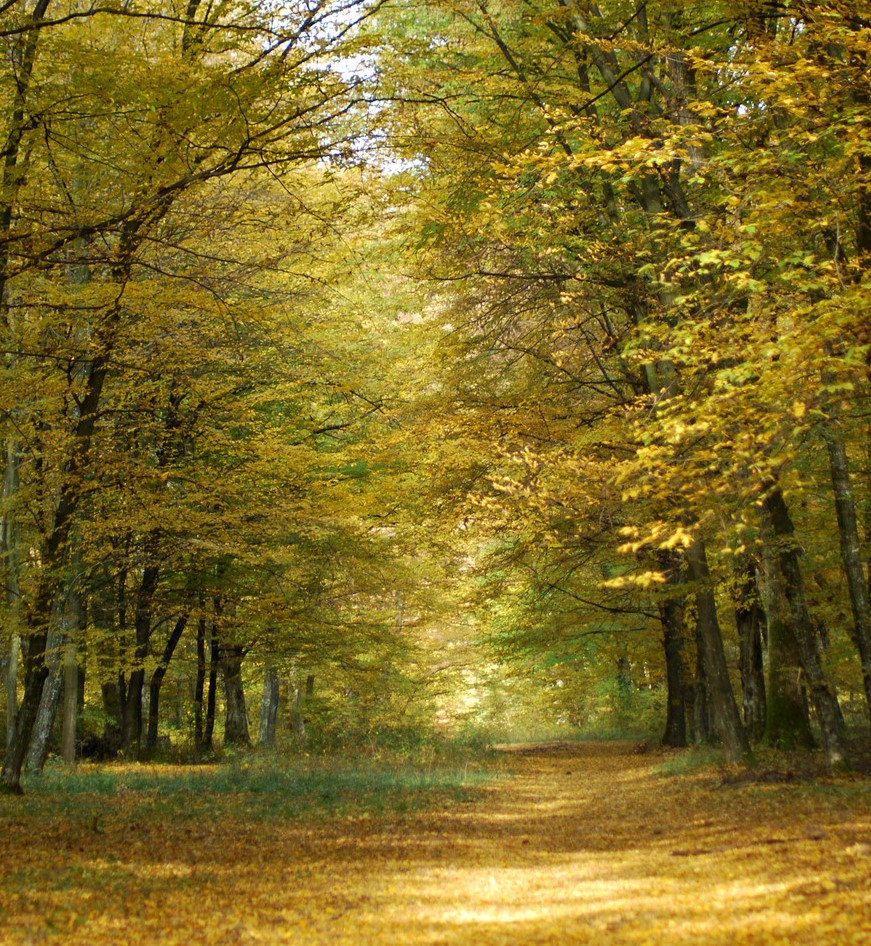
x=338 y=332
x=183 y=379
x=652 y=222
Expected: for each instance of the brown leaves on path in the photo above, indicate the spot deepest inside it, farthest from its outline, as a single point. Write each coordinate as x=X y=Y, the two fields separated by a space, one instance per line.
x=585 y=843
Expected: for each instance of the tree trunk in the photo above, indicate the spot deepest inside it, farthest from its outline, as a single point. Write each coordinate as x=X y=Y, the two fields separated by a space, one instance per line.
x=157 y=682
x=672 y=618
x=751 y=623
x=9 y=558
x=211 y=700
x=11 y=681
x=787 y=724
x=700 y=716
x=74 y=623
x=71 y=702
x=131 y=727
x=726 y=718
x=789 y=568
x=236 y=718
x=297 y=720
x=200 y=685
x=37 y=751
x=674 y=643
x=35 y=675
x=851 y=555
x=269 y=708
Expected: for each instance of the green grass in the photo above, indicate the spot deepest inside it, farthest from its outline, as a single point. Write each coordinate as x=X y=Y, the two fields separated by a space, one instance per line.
x=268 y=787
x=689 y=761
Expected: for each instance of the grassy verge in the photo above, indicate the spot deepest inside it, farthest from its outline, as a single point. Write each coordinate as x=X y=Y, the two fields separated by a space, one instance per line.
x=267 y=786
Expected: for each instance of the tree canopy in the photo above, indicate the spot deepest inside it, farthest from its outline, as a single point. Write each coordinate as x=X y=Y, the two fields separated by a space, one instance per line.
x=486 y=360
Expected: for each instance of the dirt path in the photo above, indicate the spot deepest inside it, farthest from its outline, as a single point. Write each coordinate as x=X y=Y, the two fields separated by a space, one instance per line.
x=585 y=844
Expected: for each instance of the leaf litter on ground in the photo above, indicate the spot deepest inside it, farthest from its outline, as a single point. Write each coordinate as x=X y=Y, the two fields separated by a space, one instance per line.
x=579 y=843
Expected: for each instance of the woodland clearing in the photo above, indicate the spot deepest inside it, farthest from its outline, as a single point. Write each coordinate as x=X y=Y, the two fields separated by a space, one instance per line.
x=571 y=843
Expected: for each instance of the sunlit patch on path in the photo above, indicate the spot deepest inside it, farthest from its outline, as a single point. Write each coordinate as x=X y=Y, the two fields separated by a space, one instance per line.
x=582 y=844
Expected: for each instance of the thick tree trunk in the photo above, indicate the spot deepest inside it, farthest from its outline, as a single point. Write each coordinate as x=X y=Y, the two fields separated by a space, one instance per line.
x=236 y=718
x=269 y=708
x=114 y=696
x=789 y=568
x=701 y=724
x=751 y=623
x=35 y=674
x=787 y=724
x=727 y=719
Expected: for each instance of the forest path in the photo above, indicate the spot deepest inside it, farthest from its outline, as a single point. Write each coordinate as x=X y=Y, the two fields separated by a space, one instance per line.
x=582 y=843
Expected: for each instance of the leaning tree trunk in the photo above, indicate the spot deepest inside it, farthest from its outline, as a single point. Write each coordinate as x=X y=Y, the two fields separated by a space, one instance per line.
x=787 y=560
x=34 y=645
x=37 y=751
x=157 y=682
x=727 y=719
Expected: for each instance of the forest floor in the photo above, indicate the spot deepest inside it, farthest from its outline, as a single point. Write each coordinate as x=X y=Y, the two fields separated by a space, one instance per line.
x=572 y=844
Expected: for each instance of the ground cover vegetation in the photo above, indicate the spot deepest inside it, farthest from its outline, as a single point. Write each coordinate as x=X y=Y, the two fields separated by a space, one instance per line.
x=411 y=370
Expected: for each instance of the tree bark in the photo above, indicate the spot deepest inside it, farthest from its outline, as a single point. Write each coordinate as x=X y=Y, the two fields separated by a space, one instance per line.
x=236 y=714
x=131 y=729
x=672 y=618
x=851 y=555
x=200 y=684
x=269 y=708
x=157 y=682
x=9 y=556
x=726 y=718
x=700 y=709
x=11 y=684
x=211 y=700
x=71 y=701
x=751 y=623
x=789 y=568
x=37 y=751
